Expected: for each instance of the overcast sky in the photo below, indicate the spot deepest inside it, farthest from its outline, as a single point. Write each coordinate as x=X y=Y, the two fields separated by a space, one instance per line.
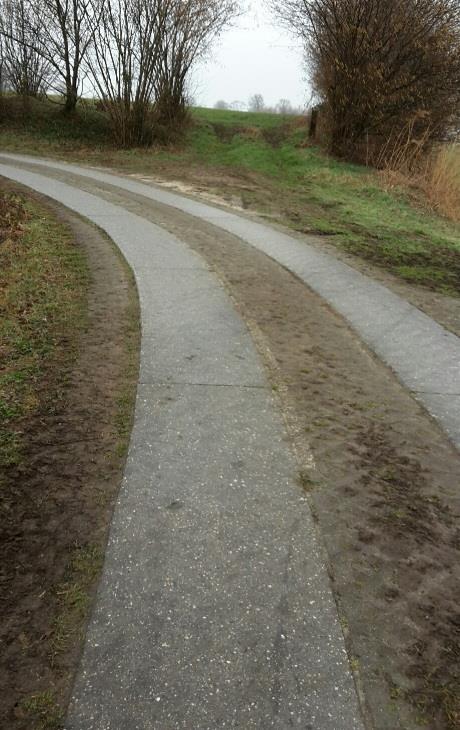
x=252 y=57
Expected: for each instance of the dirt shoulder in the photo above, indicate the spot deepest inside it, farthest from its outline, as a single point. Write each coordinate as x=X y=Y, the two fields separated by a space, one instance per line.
x=382 y=480
x=57 y=502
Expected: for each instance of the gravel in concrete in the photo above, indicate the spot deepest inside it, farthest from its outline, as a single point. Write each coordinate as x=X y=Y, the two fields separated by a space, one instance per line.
x=215 y=608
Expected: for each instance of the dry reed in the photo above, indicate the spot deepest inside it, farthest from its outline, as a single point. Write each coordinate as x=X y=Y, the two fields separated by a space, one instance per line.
x=408 y=161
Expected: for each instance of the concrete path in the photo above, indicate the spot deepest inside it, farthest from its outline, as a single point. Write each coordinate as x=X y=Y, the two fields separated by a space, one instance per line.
x=423 y=355
x=215 y=608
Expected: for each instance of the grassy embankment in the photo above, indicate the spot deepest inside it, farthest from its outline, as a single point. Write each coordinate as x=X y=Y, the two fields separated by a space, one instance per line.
x=43 y=280
x=59 y=467
x=264 y=160
x=43 y=287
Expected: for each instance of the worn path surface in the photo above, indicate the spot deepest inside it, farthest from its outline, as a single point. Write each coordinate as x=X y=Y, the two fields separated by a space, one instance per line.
x=424 y=356
x=215 y=608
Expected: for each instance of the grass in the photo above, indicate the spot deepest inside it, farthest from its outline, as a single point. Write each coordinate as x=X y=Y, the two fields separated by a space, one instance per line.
x=265 y=161
x=307 y=482
x=74 y=596
x=314 y=193
x=228 y=117
x=43 y=279
x=43 y=710
x=44 y=285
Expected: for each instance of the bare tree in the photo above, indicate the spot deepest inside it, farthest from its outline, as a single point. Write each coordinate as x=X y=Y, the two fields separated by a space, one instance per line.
x=124 y=62
x=378 y=63
x=25 y=70
x=221 y=104
x=238 y=106
x=66 y=34
x=142 y=57
x=192 y=27
x=284 y=107
x=60 y=33
x=256 y=103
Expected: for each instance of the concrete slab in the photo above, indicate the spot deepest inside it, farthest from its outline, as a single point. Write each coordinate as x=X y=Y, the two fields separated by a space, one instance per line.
x=375 y=313
x=175 y=356
x=215 y=608
x=239 y=627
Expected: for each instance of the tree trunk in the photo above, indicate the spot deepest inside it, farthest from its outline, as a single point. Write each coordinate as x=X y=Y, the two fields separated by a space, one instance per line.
x=71 y=98
x=313 y=122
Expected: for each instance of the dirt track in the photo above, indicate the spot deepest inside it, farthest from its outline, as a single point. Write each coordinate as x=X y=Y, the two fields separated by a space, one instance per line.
x=384 y=486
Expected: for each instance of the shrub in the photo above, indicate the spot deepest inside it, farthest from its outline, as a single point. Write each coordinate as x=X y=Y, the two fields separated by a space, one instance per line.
x=378 y=64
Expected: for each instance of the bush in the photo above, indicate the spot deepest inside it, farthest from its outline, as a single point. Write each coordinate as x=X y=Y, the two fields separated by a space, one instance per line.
x=378 y=65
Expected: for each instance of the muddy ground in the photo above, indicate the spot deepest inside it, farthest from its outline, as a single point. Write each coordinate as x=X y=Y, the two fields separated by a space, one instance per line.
x=56 y=507
x=382 y=479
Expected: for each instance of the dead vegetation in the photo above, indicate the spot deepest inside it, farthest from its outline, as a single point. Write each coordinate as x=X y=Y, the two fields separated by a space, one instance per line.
x=12 y=216
x=433 y=173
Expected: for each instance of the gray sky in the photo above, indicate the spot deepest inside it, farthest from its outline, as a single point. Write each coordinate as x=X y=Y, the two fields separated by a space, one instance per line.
x=252 y=57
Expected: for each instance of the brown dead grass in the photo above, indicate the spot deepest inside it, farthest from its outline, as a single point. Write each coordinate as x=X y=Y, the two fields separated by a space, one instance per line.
x=12 y=215
x=442 y=181
x=434 y=177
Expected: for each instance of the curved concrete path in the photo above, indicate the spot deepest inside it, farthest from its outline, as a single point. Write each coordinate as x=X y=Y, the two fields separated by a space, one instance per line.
x=424 y=356
x=215 y=608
